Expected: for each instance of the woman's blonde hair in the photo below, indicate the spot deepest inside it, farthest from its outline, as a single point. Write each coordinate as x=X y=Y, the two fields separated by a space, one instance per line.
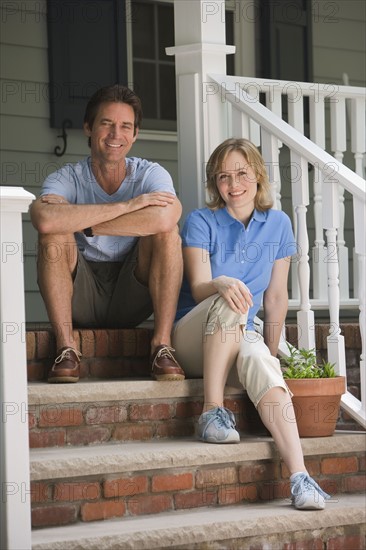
x=263 y=199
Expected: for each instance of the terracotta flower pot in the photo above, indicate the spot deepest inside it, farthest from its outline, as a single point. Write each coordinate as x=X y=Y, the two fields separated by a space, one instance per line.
x=316 y=403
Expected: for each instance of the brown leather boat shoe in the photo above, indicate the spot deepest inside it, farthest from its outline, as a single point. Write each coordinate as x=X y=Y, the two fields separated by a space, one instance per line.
x=164 y=365
x=66 y=367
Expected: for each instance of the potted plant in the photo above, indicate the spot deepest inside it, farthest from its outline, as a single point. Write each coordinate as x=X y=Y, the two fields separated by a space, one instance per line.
x=316 y=390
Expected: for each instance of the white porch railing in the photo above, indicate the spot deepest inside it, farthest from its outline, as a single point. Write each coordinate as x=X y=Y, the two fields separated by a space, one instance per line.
x=334 y=176
x=15 y=479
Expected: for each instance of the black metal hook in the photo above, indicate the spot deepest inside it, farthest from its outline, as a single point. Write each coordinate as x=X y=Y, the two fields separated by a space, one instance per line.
x=58 y=151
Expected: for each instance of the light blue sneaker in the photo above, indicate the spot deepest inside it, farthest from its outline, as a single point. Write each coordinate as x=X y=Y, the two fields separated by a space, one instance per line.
x=217 y=426
x=306 y=493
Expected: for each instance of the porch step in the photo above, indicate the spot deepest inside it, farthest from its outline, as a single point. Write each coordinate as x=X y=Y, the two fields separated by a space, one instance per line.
x=97 y=411
x=84 y=484
x=261 y=526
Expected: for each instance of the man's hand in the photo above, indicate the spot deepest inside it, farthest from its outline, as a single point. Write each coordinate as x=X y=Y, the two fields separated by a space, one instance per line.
x=159 y=198
x=235 y=292
x=53 y=199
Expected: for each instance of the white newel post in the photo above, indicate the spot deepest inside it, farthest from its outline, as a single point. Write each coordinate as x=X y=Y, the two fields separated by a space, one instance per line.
x=15 y=480
x=199 y=50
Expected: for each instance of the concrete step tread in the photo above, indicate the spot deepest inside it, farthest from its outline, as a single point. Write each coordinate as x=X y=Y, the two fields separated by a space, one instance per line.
x=68 y=462
x=87 y=390
x=201 y=526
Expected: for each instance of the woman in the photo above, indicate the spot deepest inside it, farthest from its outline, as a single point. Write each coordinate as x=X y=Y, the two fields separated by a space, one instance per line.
x=236 y=254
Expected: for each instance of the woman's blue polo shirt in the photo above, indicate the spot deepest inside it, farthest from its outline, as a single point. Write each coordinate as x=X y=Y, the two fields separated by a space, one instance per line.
x=246 y=253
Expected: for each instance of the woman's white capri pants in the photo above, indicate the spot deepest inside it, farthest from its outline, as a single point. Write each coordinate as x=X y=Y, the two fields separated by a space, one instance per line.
x=256 y=369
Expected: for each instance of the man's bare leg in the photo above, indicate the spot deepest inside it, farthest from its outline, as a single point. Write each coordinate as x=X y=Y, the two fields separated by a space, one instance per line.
x=160 y=266
x=57 y=258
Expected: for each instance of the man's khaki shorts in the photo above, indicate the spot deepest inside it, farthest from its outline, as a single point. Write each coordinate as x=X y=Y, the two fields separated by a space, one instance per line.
x=108 y=295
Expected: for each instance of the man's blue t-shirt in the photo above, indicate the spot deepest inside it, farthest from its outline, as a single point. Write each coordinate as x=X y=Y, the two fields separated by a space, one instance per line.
x=246 y=253
x=77 y=184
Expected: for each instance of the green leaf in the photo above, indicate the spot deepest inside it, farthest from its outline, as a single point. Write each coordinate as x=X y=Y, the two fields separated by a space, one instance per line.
x=302 y=363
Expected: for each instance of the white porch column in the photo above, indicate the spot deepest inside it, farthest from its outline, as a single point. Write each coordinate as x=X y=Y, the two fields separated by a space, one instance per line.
x=199 y=50
x=15 y=481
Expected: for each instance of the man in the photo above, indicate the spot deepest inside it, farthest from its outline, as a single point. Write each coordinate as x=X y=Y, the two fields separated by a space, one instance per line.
x=109 y=247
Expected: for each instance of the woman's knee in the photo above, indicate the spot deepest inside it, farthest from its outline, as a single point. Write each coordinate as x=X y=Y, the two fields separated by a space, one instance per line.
x=221 y=318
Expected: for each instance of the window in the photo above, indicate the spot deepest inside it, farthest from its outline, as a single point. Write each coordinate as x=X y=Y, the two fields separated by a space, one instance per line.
x=153 y=70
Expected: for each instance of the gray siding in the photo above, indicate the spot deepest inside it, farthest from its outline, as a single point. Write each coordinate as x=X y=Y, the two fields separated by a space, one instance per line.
x=339 y=41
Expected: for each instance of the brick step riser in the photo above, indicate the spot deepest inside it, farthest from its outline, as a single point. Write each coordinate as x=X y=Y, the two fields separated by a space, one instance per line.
x=106 y=353
x=111 y=353
x=55 y=425
x=67 y=501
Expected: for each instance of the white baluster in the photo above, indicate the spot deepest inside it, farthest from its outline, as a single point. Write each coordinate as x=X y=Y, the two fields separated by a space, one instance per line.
x=359 y=209
x=295 y=105
x=358 y=133
x=335 y=341
x=274 y=104
x=338 y=146
x=254 y=128
x=358 y=147
x=274 y=101
x=319 y=251
x=362 y=320
x=271 y=157
x=300 y=198
x=295 y=289
x=239 y=124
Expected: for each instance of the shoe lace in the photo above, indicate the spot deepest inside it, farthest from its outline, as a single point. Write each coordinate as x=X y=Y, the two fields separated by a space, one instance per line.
x=224 y=418
x=66 y=355
x=166 y=351
x=306 y=483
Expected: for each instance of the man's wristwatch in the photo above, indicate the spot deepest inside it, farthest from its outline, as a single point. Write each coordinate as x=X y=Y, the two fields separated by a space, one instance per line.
x=88 y=232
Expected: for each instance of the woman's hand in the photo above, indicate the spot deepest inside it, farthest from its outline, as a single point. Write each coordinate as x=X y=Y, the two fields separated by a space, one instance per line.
x=235 y=292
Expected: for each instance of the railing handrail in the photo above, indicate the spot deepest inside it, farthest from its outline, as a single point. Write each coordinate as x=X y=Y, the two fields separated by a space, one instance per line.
x=314 y=154
x=307 y=88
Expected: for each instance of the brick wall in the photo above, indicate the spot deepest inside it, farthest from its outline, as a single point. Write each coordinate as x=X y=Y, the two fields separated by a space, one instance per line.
x=60 y=502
